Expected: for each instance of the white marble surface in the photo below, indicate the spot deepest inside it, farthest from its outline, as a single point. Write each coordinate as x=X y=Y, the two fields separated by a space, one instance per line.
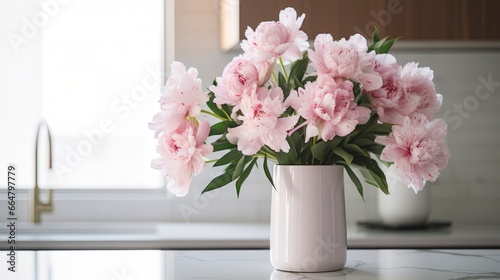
x=233 y=236
x=247 y=264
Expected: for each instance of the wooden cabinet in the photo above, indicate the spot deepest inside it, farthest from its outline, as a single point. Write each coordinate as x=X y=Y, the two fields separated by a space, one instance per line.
x=415 y=20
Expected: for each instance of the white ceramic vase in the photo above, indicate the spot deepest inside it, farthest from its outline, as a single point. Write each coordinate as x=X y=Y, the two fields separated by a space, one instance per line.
x=308 y=221
x=403 y=207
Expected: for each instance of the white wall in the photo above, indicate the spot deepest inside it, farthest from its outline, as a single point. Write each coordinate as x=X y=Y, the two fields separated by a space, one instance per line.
x=467 y=190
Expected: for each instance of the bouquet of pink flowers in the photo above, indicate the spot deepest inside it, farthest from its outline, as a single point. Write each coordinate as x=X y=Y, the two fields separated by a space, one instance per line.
x=357 y=108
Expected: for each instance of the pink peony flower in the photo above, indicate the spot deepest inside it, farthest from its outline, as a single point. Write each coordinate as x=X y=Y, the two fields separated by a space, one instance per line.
x=182 y=96
x=345 y=59
x=328 y=108
x=417 y=82
x=239 y=78
x=265 y=70
x=182 y=155
x=391 y=101
x=417 y=148
x=262 y=124
x=273 y=39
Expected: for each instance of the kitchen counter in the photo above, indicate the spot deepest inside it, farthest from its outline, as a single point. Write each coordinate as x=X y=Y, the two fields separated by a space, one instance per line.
x=455 y=236
x=171 y=236
x=247 y=264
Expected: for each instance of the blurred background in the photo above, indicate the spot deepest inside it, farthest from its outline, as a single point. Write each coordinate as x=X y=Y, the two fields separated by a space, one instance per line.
x=93 y=70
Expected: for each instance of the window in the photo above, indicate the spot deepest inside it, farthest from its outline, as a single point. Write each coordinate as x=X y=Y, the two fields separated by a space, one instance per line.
x=101 y=74
x=92 y=70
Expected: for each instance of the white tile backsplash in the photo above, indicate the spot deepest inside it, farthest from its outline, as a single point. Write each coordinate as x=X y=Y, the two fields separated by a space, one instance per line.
x=467 y=191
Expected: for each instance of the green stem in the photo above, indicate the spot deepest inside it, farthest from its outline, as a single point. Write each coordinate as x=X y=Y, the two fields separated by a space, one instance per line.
x=269 y=151
x=284 y=69
x=211 y=160
x=213 y=115
x=314 y=141
x=275 y=78
x=269 y=156
x=227 y=116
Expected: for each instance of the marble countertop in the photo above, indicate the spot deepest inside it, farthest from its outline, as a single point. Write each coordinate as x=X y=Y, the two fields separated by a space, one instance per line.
x=170 y=236
x=247 y=264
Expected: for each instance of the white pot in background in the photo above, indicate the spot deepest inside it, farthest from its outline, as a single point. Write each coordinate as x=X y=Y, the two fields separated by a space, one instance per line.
x=308 y=221
x=403 y=206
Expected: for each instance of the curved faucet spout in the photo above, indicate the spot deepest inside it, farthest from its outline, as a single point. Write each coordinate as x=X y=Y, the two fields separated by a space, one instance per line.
x=40 y=126
x=37 y=206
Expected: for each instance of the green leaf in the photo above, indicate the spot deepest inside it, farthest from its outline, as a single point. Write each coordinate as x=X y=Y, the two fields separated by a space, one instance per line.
x=296 y=142
x=362 y=142
x=381 y=45
x=365 y=100
x=310 y=79
x=227 y=109
x=381 y=129
x=239 y=167
x=375 y=37
x=283 y=84
x=213 y=107
x=218 y=182
x=373 y=174
x=350 y=136
x=230 y=167
x=266 y=171
x=318 y=150
x=299 y=67
x=386 y=47
x=334 y=142
x=221 y=127
x=295 y=83
x=357 y=92
x=368 y=177
x=297 y=71
x=364 y=128
x=375 y=46
x=291 y=156
x=379 y=181
x=281 y=158
x=380 y=178
x=356 y=149
x=343 y=154
x=323 y=150
x=223 y=110
x=231 y=156
x=244 y=176
x=375 y=148
x=222 y=145
x=355 y=180
x=306 y=152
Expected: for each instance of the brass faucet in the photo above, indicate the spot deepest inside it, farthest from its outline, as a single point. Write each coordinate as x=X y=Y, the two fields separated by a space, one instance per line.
x=37 y=206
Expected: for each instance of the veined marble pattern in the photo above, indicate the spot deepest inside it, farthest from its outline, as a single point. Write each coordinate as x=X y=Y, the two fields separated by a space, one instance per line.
x=247 y=264
x=361 y=264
